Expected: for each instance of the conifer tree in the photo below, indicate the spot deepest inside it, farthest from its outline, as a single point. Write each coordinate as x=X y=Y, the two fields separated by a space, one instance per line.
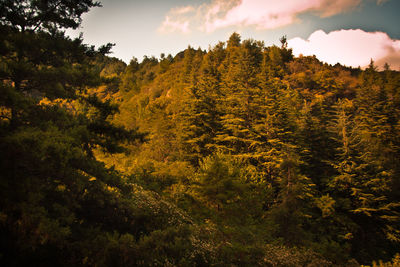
x=56 y=198
x=241 y=96
x=201 y=114
x=364 y=173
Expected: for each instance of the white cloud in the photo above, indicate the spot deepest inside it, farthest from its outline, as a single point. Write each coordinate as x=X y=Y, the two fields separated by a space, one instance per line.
x=172 y=25
x=263 y=14
x=183 y=10
x=350 y=47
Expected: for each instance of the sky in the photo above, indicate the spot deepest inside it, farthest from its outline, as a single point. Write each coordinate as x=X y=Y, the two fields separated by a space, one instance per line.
x=349 y=32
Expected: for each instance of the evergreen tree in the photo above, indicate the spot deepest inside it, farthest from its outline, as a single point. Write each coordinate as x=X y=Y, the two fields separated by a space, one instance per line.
x=363 y=184
x=58 y=203
x=240 y=97
x=201 y=115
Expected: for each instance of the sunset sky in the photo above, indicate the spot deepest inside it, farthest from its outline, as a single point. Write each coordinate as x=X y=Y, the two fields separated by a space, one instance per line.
x=350 y=32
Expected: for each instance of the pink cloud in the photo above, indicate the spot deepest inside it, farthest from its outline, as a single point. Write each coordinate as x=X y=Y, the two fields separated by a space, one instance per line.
x=269 y=14
x=350 y=47
x=263 y=14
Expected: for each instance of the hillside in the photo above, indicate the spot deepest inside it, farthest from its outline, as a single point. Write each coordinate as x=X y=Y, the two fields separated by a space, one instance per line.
x=253 y=139
x=241 y=155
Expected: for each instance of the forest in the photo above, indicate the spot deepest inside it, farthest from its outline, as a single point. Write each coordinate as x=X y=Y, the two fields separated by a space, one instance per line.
x=238 y=155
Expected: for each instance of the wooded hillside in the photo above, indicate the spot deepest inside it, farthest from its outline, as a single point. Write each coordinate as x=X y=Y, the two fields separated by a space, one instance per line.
x=241 y=155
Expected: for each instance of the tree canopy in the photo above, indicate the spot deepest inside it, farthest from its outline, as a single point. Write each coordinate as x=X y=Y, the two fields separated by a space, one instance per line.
x=242 y=155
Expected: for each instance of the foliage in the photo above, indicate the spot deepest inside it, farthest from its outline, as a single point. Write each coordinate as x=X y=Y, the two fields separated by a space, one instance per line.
x=242 y=155
x=299 y=148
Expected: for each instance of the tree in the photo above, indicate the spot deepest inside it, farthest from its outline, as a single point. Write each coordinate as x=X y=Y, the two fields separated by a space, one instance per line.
x=241 y=97
x=293 y=204
x=362 y=187
x=44 y=15
x=219 y=181
x=201 y=115
x=234 y=40
x=56 y=197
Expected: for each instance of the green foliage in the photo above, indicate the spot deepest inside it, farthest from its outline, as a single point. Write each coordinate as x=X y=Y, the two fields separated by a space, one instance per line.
x=42 y=15
x=219 y=181
x=312 y=148
x=60 y=206
x=250 y=157
x=326 y=204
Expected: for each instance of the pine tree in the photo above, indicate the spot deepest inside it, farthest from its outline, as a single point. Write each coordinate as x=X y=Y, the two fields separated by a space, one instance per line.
x=55 y=195
x=365 y=174
x=240 y=97
x=201 y=116
x=219 y=183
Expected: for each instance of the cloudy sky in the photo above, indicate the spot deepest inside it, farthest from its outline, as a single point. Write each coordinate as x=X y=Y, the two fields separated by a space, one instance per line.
x=350 y=32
